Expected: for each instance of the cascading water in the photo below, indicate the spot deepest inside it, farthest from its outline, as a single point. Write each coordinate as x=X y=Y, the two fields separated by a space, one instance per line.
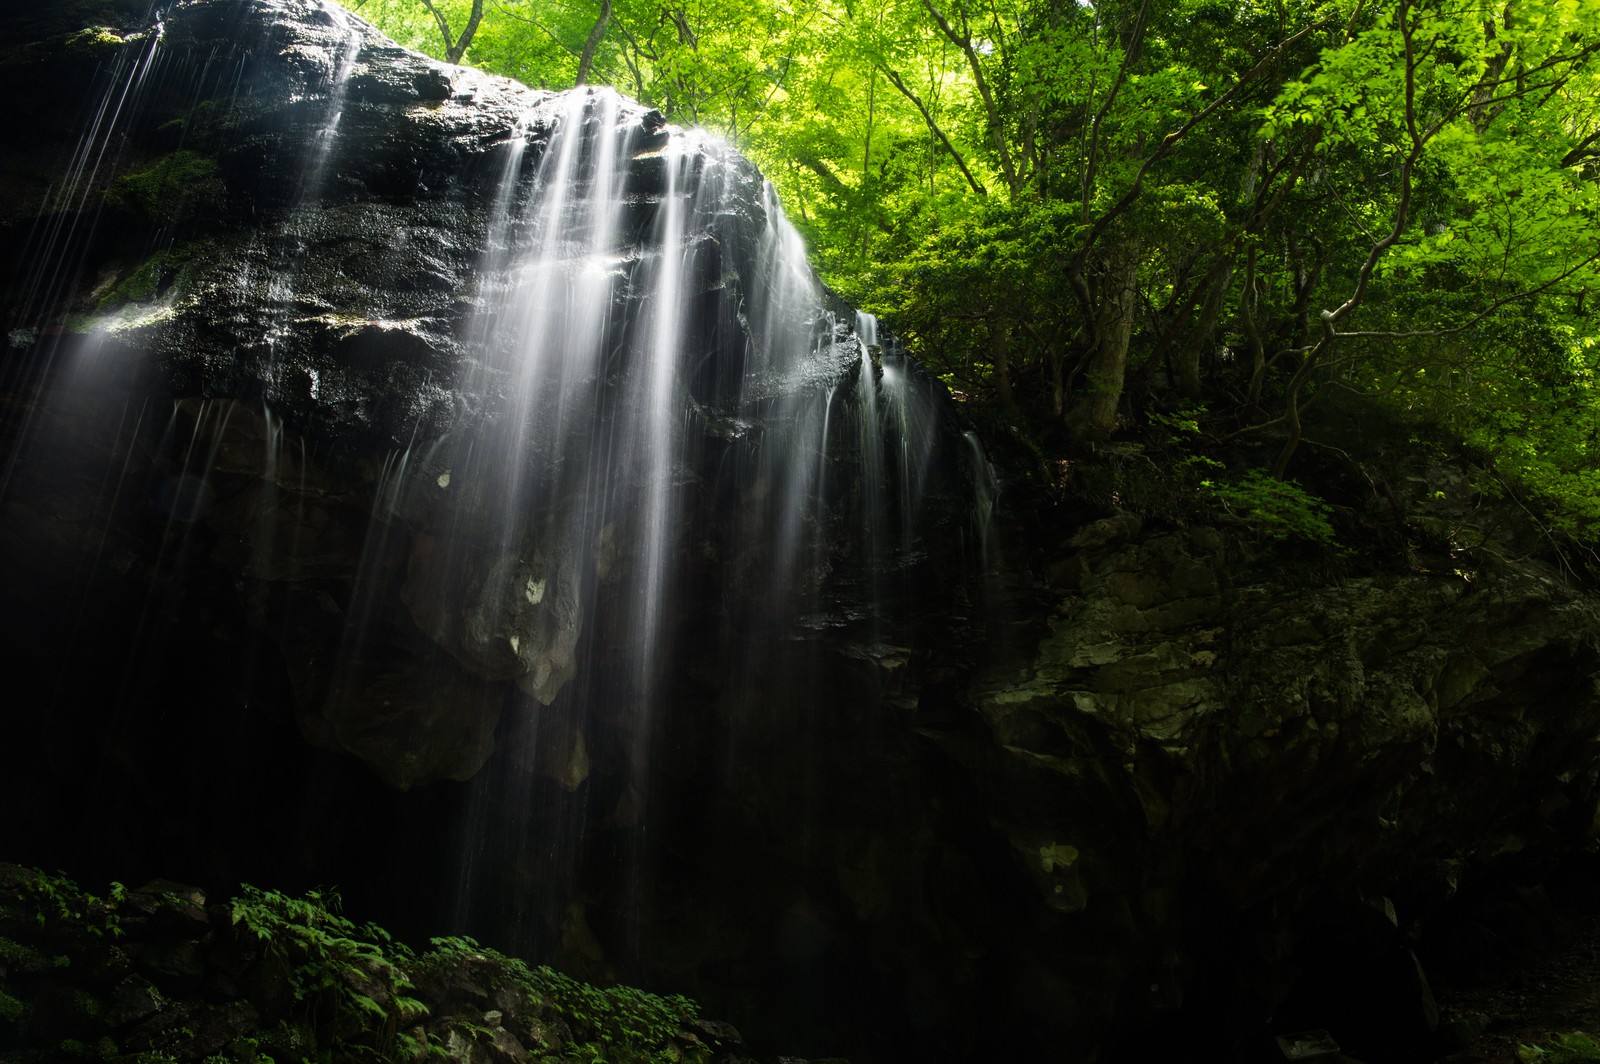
x=282 y=251
x=62 y=227
x=633 y=377
x=488 y=436
x=65 y=225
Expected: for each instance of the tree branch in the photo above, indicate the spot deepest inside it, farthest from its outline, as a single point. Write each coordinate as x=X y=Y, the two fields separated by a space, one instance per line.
x=997 y=130
x=1129 y=51
x=596 y=33
x=455 y=48
x=1171 y=140
x=1486 y=312
x=933 y=126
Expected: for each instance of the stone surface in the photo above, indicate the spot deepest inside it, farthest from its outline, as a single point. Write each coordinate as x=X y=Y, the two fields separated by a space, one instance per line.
x=1223 y=766
x=287 y=232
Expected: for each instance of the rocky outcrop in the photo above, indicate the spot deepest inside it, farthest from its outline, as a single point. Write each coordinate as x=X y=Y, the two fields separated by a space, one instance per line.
x=1388 y=691
x=1265 y=787
x=310 y=584
x=308 y=239
x=308 y=260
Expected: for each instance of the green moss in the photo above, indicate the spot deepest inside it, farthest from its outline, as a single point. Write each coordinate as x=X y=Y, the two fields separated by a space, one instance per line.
x=94 y=38
x=207 y=116
x=142 y=285
x=168 y=188
x=151 y=278
x=86 y=1004
x=21 y=957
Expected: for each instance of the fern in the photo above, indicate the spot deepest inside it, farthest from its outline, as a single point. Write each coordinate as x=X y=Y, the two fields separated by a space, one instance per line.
x=331 y=963
x=1277 y=509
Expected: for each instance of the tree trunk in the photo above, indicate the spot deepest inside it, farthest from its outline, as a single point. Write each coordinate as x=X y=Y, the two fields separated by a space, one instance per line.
x=1094 y=416
x=596 y=35
x=1000 y=357
x=455 y=47
x=1203 y=336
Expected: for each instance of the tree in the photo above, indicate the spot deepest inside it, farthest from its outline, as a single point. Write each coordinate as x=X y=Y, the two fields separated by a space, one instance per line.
x=453 y=45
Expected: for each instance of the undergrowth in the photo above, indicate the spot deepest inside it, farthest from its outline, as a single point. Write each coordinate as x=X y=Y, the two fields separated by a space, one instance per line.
x=321 y=988
x=1574 y=1047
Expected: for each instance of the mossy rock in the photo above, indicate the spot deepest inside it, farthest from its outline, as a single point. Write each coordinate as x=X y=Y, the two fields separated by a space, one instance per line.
x=170 y=189
x=95 y=39
x=152 y=278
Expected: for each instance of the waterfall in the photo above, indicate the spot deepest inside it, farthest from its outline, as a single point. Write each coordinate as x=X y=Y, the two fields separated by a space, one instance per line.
x=282 y=251
x=499 y=444
x=70 y=212
x=646 y=362
x=985 y=497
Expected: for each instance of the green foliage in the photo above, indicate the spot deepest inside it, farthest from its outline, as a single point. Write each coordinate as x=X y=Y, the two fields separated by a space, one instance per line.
x=12 y=1010
x=351 y=983
x=56 y=899
x=618 y=1024
x=54 y=896
x=345 y=979
x=329 y=989
x=168 y=189
x=611 y=1018
x=1571 y=1048
x=1181 y=425
x=1276 y=509
x=246 y=1050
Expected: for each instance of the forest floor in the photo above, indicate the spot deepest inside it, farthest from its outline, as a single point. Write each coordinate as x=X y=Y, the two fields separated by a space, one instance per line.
x=1553 y=990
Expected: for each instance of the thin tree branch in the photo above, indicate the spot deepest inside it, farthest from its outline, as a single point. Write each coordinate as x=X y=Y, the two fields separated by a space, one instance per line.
x=933 y=126
x=997 y=131
x=1504 y=301
x=1129 y=52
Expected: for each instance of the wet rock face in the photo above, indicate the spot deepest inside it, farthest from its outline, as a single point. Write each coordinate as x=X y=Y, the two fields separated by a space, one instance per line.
x=293 y=206
x=319 y=245
x=1259 y=699
x=284 y=206
x=305 y=600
